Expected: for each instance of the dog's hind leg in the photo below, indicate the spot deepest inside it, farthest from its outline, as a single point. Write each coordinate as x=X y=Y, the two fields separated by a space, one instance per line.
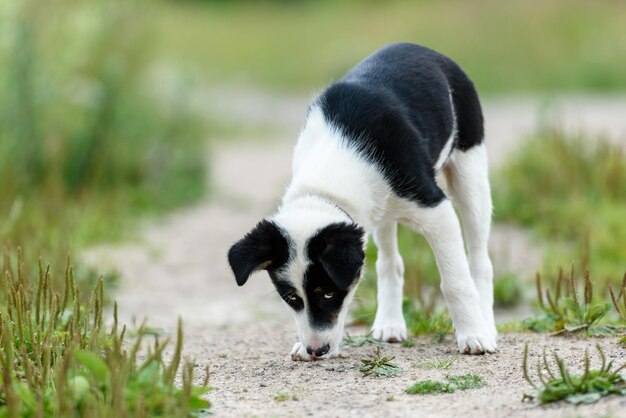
x=389 y=324
x=468 y=183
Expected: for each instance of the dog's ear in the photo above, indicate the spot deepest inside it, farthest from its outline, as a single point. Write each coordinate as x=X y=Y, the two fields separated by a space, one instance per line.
x=263 y=248
x=339 y=249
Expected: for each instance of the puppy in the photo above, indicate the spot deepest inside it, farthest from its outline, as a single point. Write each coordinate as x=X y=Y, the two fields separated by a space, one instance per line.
x=365 y=160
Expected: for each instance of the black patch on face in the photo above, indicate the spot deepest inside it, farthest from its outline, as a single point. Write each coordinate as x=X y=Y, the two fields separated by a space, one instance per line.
x=337 y=257
x=265 y=247
x=395 y=108
x=287 y=293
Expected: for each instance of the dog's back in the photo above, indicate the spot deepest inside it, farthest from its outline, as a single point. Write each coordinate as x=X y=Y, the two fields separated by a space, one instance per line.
x=405 y=108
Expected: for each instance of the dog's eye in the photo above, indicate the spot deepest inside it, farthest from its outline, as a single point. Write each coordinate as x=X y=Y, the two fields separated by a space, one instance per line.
x=328 y=295
x=292 y=298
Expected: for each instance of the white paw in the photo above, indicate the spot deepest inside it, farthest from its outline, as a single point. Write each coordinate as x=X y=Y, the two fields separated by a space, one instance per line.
x=298 y=353
x=477 y=342
x=392 y=332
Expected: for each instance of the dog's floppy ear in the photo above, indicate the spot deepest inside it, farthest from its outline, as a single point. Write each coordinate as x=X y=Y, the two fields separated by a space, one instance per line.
x=265 y=247
x=339 y=249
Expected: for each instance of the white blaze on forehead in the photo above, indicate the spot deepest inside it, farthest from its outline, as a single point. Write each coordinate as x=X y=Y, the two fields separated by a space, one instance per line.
x=301 y=219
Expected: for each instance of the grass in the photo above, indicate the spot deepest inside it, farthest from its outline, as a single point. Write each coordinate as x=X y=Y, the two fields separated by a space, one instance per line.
x=281 y=397
x=506 y=46
x=58 y=359
x=429 y=387
x=360 y=340
x=565 y=311
x=422 y=305
x=619 y=303
x=507 y=291
x=87 y=148
x=454 y=383
x=435 y=363
x=409 y=343
x=570 y=192
x=561 y=384
x=379 y=366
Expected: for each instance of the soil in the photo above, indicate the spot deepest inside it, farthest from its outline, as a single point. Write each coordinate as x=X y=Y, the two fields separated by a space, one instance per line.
x=177 y=268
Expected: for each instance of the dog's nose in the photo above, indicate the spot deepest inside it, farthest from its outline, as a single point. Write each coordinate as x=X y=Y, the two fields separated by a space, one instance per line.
x=318 y=352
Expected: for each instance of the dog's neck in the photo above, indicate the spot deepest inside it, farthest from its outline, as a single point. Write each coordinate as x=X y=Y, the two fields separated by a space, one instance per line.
x=324 y=200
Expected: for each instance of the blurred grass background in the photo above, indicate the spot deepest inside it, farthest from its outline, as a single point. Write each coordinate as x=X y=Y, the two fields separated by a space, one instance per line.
x=83 y=146
x=512 y=46
x=89 y=144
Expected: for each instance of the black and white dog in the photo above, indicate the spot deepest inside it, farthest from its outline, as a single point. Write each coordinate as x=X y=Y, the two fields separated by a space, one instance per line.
x=366 y=159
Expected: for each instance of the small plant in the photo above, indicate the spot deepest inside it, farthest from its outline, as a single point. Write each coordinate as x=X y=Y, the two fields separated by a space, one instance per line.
x=429 y=387
x=576 y=184
x=360 y=340
x=379 y=366
x=467 y=381
x=282 y=397
x=563 y=309
x=435 y=363
x=409 y=343
x=619 y=302
x=57 y=358
x=436 y=322
x=464 y=382
x=562 y=385
x=507 y=291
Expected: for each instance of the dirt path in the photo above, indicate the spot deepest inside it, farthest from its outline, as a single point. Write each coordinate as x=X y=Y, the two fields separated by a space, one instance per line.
x=178 y=268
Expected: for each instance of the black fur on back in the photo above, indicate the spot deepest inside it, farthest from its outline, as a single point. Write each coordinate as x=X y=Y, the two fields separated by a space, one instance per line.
x=395 y=108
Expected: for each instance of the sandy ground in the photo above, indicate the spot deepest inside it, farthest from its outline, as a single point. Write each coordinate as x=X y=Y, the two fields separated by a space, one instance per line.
x=178 y=267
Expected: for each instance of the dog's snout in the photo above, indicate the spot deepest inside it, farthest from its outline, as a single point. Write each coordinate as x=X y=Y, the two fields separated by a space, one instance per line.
x=319 y=352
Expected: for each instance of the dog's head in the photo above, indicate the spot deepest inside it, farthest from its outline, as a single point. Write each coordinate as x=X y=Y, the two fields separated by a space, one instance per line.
x=315 y=267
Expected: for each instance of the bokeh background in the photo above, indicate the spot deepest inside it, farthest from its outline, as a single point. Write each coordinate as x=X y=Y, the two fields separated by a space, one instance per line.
x=107 y=107
x=117 y=112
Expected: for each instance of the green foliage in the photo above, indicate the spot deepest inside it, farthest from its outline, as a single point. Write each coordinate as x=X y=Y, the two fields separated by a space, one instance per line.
x=58 y=359
x=282 y=397
x=435 y=363
x=507 y=291
x=564 y=311
x=511 y=326
x=409 y=343
x=619 y=303
x=563 y=385
x=467 y=381
x=619 y=299
x=430 y=387
x=83 y=143
x=360 y=340
x=568 y=190
x=569 y=45
x=379 y=366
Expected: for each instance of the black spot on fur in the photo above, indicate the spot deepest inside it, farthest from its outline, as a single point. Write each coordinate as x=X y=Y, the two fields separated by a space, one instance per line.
x=288 y=293
x=395 y=108
x=337 y=257
x=265 y=247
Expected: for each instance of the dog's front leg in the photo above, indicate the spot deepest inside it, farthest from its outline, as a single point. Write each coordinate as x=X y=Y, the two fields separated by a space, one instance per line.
x=441 y=227
x=389 y=324
x=299 y=353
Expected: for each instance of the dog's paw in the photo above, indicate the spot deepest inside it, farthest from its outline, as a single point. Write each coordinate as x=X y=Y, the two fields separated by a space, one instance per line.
x=392 y=332
x=298 y=353
x=477 y=343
